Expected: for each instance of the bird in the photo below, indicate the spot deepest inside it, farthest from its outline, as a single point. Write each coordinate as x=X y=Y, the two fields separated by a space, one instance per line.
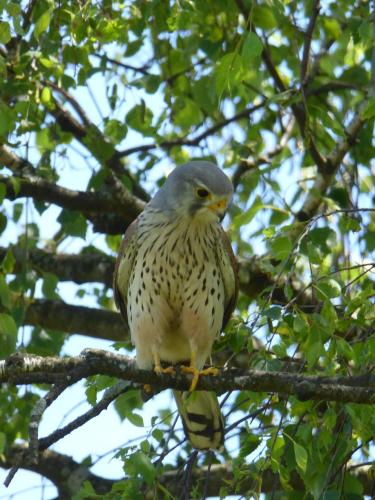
x=176 y=286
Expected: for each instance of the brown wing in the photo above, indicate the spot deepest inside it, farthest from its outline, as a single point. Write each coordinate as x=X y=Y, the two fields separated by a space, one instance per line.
x=123 y=268
x=229 y=273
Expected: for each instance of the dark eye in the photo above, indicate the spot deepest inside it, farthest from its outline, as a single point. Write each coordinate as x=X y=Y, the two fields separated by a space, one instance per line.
x=202 y=193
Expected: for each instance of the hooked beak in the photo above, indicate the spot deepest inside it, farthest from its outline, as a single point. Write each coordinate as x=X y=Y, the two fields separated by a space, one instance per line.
x=219 y=206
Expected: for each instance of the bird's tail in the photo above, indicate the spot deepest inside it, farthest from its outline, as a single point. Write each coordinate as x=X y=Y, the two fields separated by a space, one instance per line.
x=201 y=418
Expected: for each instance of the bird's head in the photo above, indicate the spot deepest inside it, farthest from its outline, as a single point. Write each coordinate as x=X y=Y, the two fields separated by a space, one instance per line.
x=198 y=189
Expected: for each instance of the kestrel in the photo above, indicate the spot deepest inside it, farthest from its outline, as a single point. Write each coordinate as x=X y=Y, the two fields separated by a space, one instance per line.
x=176 y=285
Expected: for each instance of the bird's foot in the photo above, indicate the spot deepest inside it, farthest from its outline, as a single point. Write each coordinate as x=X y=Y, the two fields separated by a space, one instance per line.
x=196 y=373
x=211 y=370
x=168 y=369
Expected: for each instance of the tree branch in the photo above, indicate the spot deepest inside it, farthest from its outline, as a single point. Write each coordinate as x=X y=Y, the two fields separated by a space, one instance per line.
x=25 y=369
x=95 y=142
x=211 y=479
x=97 y=202
x=11 y=160
x=58 y=315
x=308 y=38
x=93 y=267
x=325 y=176
x=297 y=109
x=109 y=212
x=69 y=475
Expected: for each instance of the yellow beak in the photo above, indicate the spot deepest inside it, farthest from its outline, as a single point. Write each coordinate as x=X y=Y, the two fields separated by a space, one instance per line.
x=219 y=206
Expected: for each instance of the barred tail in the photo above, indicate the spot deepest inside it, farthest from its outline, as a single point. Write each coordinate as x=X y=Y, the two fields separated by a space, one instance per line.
x=201 y=418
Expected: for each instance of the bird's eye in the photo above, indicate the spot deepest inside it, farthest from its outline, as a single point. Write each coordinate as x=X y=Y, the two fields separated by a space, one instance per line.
x=202 y=193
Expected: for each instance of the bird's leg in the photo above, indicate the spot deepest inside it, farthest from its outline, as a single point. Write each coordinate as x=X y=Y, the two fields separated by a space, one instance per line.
x=194 y=370
x=157 y=366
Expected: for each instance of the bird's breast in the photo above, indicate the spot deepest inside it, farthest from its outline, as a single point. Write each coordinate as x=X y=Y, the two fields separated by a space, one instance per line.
x=179 y=263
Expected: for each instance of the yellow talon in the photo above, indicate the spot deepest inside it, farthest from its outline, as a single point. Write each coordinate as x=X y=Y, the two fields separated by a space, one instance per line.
x=211 y=370
x=159 y=369
x=195 y=372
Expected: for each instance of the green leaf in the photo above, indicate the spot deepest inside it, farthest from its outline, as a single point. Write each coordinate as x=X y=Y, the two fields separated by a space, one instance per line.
x=17 y=211
x=7 y=119
x=73 y=223
x=2 y=442
x=344 y=349
x=300 y=324
x=5 y=34
x=158 y=434
x=115 y=130
x=47 y=63
x=8 y=335
x=50 y=282
x=369 y=110
x=247 y=216
x=273 y=312
x=91 y=394
x=42 y=23
x=13 y=9
x=301 y=456
x=44 y=140
x=228 y=71
x=251 y=48
x=140 y=118
x=86 y=492
x=324 y=238
x=5 y=295
x=281 y=247
x=263 y=17
x=8 y=262
x=140 y=464
x=2 y=192
x=188 y=114
x=314 y=253
x=313 y=347
x=328 y=288
x=348 y=223
x=135 y=419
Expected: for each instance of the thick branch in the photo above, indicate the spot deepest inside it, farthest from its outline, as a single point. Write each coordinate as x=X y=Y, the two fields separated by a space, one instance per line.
x=24 y=369
x=98 y=202
x=108 y=212
x=97 y=323
x=93 y=267
x=67 y=474
x=14 y=162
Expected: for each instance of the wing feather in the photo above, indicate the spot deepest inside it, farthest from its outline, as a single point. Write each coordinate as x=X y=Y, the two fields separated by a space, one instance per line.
x=123 y=268
x=229 y=272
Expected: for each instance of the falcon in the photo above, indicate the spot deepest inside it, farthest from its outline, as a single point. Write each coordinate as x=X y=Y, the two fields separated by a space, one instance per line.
x=175 y=284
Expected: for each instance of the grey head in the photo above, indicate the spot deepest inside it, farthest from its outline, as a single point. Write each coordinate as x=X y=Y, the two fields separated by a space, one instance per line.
x=196 y=189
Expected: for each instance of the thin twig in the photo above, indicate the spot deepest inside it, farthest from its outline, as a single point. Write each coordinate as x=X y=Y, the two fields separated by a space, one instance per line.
x=308 y=39
x=194 y=141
